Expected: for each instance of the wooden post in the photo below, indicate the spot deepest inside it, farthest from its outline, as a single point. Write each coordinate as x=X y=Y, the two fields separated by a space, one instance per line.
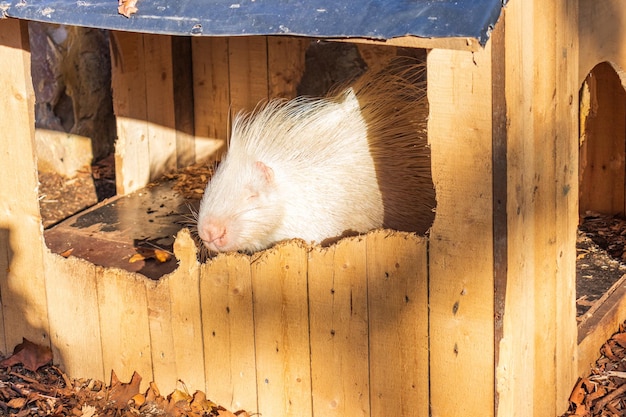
x=22 y=278
x=537 y=350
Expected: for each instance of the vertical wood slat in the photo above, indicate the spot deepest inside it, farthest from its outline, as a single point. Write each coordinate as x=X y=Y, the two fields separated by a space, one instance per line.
x=247 y=58
x=540 y=156
x=517 y=352
x=535 y=359
x=211 y=94
x=128 y=82
x=398 y=324
x=461 y=240
x=566 y=191
x=174 y=312
x=339 y=329
x=186 y=310
x=22 y=276
x=182 y=74
x=279 y=287
x=161 y=333
x=74 y=316
x=124 y=324
x=228 y=329
x=160 y=104
x=285 y=57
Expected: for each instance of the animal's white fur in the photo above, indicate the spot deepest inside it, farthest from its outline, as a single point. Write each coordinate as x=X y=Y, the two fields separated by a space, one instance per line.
x=308 y=168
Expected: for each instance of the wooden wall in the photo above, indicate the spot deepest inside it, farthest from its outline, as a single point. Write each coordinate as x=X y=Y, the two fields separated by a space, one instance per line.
x=478 y=319
x=293 y=331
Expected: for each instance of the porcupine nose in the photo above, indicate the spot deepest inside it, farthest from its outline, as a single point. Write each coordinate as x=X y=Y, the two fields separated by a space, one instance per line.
x=213 y=235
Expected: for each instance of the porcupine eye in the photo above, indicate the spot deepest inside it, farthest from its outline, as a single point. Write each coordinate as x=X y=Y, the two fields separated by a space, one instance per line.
x=253 y=195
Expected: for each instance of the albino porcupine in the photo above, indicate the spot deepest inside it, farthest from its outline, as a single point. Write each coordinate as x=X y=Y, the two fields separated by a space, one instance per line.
x=317 y=168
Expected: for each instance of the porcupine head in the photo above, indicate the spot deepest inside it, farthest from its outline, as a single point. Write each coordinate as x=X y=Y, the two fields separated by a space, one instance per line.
x=294 y=169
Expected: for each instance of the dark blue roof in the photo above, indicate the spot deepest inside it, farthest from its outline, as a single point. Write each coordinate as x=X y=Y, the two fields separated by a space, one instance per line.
x=377 y=19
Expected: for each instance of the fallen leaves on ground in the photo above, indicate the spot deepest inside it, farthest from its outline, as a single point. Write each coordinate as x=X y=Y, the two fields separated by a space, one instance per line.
x=43 y=389
x=29 y=354
x=603 y=392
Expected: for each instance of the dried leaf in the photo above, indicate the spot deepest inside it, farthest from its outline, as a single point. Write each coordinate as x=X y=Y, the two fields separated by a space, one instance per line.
x=29 y=354
x=67 y=253
x=139 y=399
x=578 y=394
x=161 y=255
x=136 y=258
x=127 y=7
x=18 y=402
x=620 y=338
x=121 y=393
x=179 y=395
x=200 y=402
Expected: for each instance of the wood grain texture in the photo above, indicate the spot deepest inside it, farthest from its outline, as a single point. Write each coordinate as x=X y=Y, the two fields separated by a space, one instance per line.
x=601 y=28
x=285 y=62
x=229 y=332
x=128 y=82
x=74 y=316
x=247 y=60
x=281 y=321
x=211 y=94
x=539 y=318
x=339 y=329
x=461 y=283
x=397 y=283
x=124 y=324
x=160 y=104
x=22 y=280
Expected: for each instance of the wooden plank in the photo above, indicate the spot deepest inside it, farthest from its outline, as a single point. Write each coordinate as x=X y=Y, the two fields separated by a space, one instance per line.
x=161 y=332
x=566 y=192
x=160 y=104
x=174 y=313
x=211 y=94
x=602 y=151
x=397 y=275
x=594 y=332
x=182 y=74
x=247 y=60
x=22 y=280
x=285 y=57
x=6 y=257
x=537 y=352
x=461 y=243
x=74 y=316
x=128 y=82
x=517 y=367
x=601 y=28
x=279 y=288
x=461 y=44
x=186 y=309
x=124 y=324
x=339 y=329
x=539 y=199
x=228 y=328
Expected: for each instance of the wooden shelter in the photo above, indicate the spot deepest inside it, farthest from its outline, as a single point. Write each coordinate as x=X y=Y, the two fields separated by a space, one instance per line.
x=476 y=319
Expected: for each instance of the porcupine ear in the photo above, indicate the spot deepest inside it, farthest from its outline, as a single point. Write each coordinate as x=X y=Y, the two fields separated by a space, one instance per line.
x=266 y=172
